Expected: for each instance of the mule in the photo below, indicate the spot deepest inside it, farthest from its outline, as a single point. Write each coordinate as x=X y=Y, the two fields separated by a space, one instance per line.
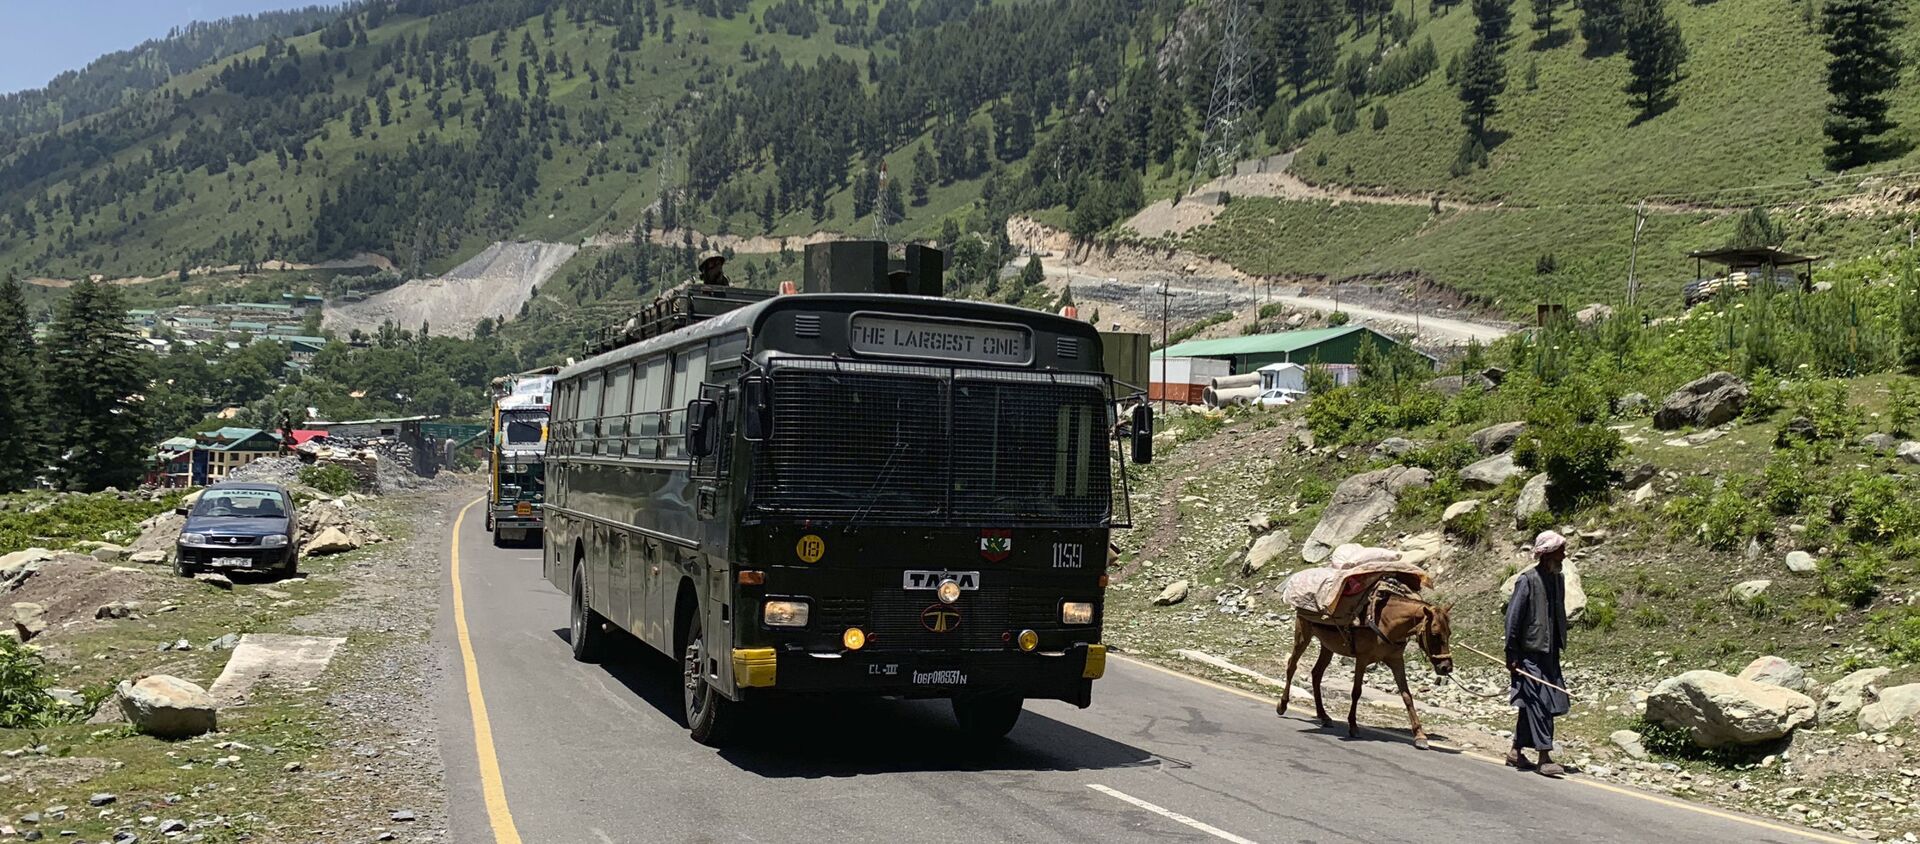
x=1402 y=617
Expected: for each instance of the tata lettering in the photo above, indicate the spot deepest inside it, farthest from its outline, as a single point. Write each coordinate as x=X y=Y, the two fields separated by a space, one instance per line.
x=968 y=580
x=953 y=341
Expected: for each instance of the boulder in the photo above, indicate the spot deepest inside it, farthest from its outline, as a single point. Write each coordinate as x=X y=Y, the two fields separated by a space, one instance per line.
x=1421 y=547
x=1357 y=503
x=331 y=540
x=1569 y=577
x=1799 y=429
x=1629 y=743
x=109 y=553
x=1259 y=523
x=1704 y=402
x=116 y=609
x=1173 y=594
x=1717 y=710
x=1459 y=509
x=1878 y=441
x=1532 y=500
x=1265 y=550
x=1395 y=447
x=1774 y=671
x=1633 y=404
x=29 y=619
x=215 y=579
x=1593 y=313
x=1746 y=591
x=1897 y=706
x=1638 y=476
x=14 y=562
x=1908 y=452
x=1490 y=473
x=1846 y=697
x=148 y=557
x=1644 y=494
x=167 y=706
x=1494 y=439
x=1801 y=562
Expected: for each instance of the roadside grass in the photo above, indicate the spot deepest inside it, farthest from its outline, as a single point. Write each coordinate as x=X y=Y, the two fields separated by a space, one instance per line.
x=42 y=520
x=279 y=726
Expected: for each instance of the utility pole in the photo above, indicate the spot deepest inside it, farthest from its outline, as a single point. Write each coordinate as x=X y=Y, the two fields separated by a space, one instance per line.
x=1227 y=108
x=880 y=205
x=1633 y=254
x=1166 y=301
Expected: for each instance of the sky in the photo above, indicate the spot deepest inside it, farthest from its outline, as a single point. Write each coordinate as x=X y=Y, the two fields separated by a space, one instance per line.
x=41 y=38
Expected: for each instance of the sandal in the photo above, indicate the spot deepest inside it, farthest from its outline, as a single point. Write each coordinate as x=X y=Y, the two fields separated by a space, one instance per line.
x=1515 y=759
x=1552 y=769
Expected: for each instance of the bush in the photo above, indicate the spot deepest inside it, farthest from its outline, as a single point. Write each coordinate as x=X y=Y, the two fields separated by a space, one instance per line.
x=331 y=479
x=1879 y=508
x=1725 y=518
x=1578 y=460
x=1472 y=528
x=1898 y=630
x=1443 y=457
x=1338 y=318
x=23 y=690
x=1903 y=406
x=61 y=523
x=1853 y=579
x=1786 y=484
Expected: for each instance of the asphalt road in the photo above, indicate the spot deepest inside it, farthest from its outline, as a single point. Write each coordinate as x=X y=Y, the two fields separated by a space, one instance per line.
x=595 y=754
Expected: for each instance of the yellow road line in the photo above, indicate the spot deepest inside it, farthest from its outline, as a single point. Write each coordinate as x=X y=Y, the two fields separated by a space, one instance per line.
x=1636 y=794
x=491 y=786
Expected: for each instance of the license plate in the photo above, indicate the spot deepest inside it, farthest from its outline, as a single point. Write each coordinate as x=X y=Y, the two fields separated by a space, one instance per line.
x=968 y=580
x=234 y=562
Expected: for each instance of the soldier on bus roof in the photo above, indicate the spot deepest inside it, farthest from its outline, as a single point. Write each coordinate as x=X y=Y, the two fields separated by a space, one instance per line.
x=713 y=269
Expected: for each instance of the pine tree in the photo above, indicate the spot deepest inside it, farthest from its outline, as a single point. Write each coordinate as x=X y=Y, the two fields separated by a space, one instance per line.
x=1543 y=11
x=1033 y=274
x=21 y=455
x=1492 y=19
x=1862 y=66
x=1655 y=52
x=1483 y=78
x=99 y=420
x=892 y=208
x=1758 y=229
x=1602 y=24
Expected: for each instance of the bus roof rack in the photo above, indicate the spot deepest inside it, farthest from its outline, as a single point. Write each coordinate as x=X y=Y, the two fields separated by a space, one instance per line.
x=672 y=310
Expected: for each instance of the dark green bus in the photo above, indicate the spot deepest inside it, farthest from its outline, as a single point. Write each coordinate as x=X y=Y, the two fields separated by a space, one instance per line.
x=845 y=493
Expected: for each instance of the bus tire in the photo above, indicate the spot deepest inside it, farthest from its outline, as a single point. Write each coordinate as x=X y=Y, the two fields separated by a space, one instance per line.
x=589 y=637
x=498 y=540
x=987 y=716
x=711 y=718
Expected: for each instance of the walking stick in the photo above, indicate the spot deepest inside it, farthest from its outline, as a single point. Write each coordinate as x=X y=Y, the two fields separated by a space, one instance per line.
x=1520 y=672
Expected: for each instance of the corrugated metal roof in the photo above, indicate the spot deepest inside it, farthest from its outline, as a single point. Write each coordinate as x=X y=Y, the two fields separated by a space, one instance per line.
x=1259 y=344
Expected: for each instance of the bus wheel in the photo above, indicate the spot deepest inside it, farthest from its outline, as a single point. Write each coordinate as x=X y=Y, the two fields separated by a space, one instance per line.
x=589 y=639
x=987 y=716
x=498 y=540
x=710 y=716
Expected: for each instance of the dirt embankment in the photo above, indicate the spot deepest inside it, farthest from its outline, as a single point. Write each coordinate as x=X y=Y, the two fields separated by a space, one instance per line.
x=740 y=244
x=494 y=283
x=1131 y=273
x=362 y=260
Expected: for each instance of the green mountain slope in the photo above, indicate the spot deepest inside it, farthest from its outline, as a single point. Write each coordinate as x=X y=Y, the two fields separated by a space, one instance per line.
x=403 y=127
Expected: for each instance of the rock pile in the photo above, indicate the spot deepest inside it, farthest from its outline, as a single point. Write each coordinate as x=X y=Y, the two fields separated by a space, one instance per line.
x=1703 y=403
x=331 y=527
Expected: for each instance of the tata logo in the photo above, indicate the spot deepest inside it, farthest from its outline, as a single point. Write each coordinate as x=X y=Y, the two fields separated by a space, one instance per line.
x=940 y=618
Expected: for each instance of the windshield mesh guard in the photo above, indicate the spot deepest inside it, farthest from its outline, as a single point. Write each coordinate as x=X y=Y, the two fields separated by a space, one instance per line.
x=907 y=444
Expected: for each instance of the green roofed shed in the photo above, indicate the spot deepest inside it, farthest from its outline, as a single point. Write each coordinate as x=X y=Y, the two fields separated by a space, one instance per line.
x=1338 y=345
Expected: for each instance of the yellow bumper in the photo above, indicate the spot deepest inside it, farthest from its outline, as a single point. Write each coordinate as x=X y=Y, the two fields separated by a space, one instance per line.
x=753 y=667
x=1096 y=662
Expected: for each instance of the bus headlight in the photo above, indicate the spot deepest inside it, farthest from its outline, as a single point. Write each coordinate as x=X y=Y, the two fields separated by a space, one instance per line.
x=854 y=639
x=1076 y=612
x=785 y=613
x=948 y=591
x=1028 y=640
x=278 y=540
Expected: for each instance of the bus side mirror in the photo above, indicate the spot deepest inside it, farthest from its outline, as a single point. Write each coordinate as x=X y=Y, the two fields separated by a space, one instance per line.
x=703 y=427
x=756 y=407
x=1142 y=434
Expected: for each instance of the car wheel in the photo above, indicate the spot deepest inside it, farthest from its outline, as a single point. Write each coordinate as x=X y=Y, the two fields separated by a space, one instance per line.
x=180 y=566
x=711 y=718
x=589 y=639
x=987 y=716
x=292 y=567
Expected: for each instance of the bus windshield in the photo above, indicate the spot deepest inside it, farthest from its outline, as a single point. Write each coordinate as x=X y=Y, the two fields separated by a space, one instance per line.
x=933 y=445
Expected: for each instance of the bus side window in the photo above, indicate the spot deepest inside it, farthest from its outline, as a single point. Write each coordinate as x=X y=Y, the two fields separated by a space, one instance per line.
x=638 y=430
x=689 y=370
x=589 y=430
x=612 y=444
x=648 y=407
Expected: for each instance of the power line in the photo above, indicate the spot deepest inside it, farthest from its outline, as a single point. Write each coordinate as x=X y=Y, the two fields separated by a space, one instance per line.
x=1229 y=105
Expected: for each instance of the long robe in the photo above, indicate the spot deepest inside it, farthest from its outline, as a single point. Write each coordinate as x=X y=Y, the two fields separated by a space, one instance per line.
x=1536 y=632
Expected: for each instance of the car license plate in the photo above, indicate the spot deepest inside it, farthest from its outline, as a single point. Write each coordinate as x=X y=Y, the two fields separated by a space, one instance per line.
x=235 y=562
x=968 y=580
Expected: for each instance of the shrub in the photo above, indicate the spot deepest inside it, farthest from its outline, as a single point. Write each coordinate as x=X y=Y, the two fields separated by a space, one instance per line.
x=23 y=688
x=1853 y=579
x=1445 y=456
x=1471 y=528
x=1338 y=318
x=331 y=479
x=1898 y=630
x=1725 y=518
x=1765 y=397
x=1578 y=460
x=1878 y=508
x=1903 y=406
x=1786 y=484
x=1313 y=489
